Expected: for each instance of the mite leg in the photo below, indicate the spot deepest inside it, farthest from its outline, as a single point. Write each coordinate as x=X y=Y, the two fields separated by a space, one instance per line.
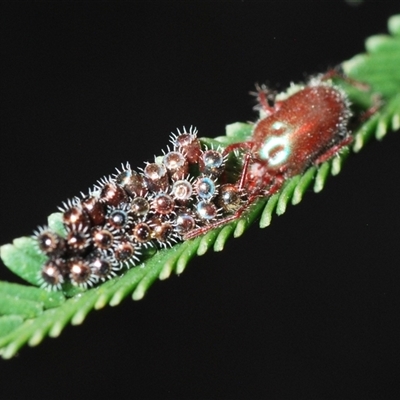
x=376 y=99
x=335 y=73
x=279 y=181
x=243 y=174
x=237 y=146
x=333 y=150
x=204 y=229
x=266 y=100
x=377 y=103
x=247 y=157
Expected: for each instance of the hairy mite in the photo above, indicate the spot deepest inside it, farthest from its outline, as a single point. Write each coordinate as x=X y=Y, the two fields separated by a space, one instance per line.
x=304 y=129
x=113 y=227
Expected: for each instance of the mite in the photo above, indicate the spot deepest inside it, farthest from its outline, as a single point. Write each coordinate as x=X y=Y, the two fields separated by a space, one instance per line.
x=301 y=130
x=133 y=211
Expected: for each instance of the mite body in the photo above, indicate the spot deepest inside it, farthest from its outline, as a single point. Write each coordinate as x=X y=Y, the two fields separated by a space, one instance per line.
x=305 y=129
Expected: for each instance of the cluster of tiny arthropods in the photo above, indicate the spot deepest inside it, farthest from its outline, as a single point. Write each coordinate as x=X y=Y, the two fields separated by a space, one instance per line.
x=129 y=213
x=187 y=192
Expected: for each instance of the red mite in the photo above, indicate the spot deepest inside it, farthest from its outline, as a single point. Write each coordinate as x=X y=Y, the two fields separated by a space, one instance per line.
x=307 y=128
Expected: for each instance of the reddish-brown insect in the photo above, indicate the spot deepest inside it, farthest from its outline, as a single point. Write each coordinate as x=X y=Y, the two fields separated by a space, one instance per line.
x=163 y=204
x=307 y=128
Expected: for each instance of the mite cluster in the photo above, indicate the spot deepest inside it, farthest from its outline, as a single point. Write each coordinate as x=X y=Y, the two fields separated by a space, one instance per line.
x=187 y=192
x=131 y=213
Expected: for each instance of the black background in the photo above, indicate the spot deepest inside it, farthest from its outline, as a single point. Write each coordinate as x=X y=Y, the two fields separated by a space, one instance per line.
x=308 y=308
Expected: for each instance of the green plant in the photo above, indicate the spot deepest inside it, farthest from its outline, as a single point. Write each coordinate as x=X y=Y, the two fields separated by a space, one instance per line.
x=28 y=314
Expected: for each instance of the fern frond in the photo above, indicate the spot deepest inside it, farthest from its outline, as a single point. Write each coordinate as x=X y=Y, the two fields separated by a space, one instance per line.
x=29 y=314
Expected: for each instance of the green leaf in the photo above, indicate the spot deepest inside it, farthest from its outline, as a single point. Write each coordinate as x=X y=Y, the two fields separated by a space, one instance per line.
x=47 y=299
x=29 y=314
x=22 y=257
x=9 y=323
x=56 y=224
x=381 y=61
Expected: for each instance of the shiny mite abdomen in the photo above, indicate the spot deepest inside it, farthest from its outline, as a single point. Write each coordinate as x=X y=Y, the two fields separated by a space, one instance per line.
x=303 y=127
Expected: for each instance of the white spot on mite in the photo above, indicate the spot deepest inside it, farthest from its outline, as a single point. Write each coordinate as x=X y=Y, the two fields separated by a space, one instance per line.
x=275 y=150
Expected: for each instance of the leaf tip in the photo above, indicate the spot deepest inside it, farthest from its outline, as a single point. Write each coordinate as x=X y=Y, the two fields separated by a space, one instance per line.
x=36 y=338
x=166 y=271
x=78 y=318
x=396 y=122
x=375 y=42
x=9 y=351
x=394 y=24
x=56 y=329
x=101 y=302
x=240 y=228
x=351 y=66
x=139 y=293
x=116 y=299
